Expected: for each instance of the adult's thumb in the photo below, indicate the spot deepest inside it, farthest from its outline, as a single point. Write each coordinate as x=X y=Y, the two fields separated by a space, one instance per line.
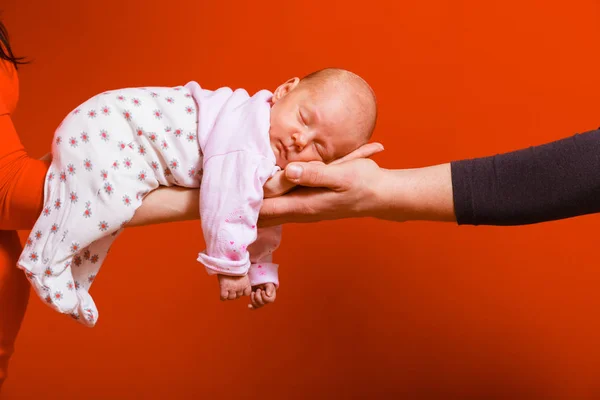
x=313 y=174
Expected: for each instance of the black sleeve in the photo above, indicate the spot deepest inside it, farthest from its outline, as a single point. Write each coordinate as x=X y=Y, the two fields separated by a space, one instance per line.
x=542 y=183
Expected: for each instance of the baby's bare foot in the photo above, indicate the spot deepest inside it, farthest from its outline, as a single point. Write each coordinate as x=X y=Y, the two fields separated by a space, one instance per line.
x=234 y=287
x=262 y=295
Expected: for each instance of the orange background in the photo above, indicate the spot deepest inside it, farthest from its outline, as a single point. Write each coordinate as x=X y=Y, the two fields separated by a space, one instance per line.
x=367 y=309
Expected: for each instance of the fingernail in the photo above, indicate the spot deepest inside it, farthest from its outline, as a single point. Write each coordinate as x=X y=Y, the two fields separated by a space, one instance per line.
x=293 y=171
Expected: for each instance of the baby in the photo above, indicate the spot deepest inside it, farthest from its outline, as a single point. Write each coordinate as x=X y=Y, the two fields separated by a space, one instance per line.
x=118 y=146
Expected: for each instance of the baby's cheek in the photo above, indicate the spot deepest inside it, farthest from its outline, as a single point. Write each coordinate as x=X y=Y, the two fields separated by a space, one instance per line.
x=305 y=156
x=281 y=163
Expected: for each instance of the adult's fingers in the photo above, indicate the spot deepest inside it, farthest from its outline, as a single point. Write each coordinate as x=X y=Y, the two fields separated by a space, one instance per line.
x=280 y=184
x=364 y=151
x=316 y=175
x=298 y=206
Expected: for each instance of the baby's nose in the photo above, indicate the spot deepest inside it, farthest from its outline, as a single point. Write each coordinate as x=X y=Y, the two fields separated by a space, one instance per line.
x=299 y=142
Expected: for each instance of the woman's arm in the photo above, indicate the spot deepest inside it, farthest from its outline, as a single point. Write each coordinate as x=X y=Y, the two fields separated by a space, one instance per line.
x=167 y=204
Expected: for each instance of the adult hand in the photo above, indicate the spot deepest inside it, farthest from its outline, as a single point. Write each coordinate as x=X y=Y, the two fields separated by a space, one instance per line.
x=359 y=188
x=279 y=185
x=350 y=190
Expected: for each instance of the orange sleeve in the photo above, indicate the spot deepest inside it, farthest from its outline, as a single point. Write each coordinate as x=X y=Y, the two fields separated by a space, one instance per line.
x=21 y=187
x=21 y=177
x=21 y=181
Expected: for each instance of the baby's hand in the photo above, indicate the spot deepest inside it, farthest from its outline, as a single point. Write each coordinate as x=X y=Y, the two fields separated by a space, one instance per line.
x=234 y=287
x=262 y=295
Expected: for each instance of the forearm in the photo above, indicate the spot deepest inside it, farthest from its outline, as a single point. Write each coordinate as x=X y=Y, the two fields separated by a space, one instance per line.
x=556 y=180
x=552 y=181
x=167 y=204
x=173 y=204
x=421 y=194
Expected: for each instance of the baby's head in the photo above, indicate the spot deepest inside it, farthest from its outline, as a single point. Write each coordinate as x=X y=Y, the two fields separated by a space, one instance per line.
x=321 y=117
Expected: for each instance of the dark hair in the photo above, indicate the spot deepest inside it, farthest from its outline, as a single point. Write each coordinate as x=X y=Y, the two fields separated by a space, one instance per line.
x=5 y=49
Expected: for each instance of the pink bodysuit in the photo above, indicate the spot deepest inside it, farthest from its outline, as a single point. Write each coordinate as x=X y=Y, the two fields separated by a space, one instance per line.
x=118 y=146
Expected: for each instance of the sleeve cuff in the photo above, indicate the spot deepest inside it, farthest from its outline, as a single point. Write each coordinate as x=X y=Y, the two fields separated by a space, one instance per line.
x=224 y=267
x=263 y=273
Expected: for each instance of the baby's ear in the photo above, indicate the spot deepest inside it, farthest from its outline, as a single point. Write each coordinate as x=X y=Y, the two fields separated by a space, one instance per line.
x=285 y=88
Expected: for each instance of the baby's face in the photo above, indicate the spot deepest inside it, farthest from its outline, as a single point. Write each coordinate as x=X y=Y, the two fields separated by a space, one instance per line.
x=310 y=126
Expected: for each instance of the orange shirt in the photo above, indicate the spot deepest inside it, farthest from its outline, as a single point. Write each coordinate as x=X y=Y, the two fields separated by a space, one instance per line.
x=9 y=96
x=9 y=88
x=21 y=177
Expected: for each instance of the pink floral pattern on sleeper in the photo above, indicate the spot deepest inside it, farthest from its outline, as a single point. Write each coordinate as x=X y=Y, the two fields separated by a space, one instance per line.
x=118 y=146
